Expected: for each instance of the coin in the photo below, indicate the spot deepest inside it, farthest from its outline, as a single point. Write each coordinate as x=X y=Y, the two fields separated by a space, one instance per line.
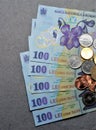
x=89 y=98
x=86 y=53
x=93 y=72
x=86 y=66
x=81 y=83
x=74 y=61
x=85 y=81
x=92 y=86
x=94 y=59
x=94 y=43
x=85 y=40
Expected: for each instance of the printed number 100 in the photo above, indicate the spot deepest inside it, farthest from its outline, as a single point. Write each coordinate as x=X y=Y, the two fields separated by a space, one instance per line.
x=41 y=86
x=41 y=55
x=38 y=69
x=44 y=117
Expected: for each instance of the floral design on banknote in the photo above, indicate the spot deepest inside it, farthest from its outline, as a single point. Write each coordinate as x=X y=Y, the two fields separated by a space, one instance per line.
x=70 y=37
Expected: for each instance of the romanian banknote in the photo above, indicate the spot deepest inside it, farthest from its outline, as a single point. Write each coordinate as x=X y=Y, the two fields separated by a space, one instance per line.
x=42 y=100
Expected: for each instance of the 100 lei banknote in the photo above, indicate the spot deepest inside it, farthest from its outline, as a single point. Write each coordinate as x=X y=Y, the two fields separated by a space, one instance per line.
x=43 y=69
x=42 y=100
x=41 y=83
x=60 y=112
x=56 y=82
x=55 y=40
x=75 y=106
x=37 y=101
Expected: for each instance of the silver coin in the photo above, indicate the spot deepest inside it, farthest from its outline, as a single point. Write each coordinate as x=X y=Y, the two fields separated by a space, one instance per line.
x=74 y=61
x=94 y=43
x=86 y=66
x=85 y=40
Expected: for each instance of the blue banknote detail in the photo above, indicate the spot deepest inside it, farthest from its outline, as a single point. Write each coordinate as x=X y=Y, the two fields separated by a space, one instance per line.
x=75 y=102
x=40 y=84
x=60 y=112
x=37 y=101
x=56 y=113
x=61 y=33
x=53 y=53
x=51 y=99
x=25 y=74
x=43 y=69
x=53 y=13
x=33 y=26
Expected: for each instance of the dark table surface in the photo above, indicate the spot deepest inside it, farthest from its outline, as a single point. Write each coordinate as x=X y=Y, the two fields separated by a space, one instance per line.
x=15 y=26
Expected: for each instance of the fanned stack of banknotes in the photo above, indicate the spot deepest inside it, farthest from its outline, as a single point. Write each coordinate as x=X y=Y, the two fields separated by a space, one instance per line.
x=60 y=67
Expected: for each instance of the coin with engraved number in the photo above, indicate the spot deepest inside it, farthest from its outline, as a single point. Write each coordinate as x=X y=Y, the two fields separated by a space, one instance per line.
x=74 y=61
x=93 y=72
x=86 y=53
x=94 y=43
x=89 y=98
x=86 y=66
x=85 y=40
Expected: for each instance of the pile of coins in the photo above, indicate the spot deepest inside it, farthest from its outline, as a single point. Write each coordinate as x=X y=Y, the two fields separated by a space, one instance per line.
x=87 y=59
x=87 y=53
x=87 y=62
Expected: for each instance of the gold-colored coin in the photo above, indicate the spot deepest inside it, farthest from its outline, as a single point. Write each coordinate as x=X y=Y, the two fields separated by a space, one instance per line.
x=87 y=53
x=93 y=72
x=94 y=59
